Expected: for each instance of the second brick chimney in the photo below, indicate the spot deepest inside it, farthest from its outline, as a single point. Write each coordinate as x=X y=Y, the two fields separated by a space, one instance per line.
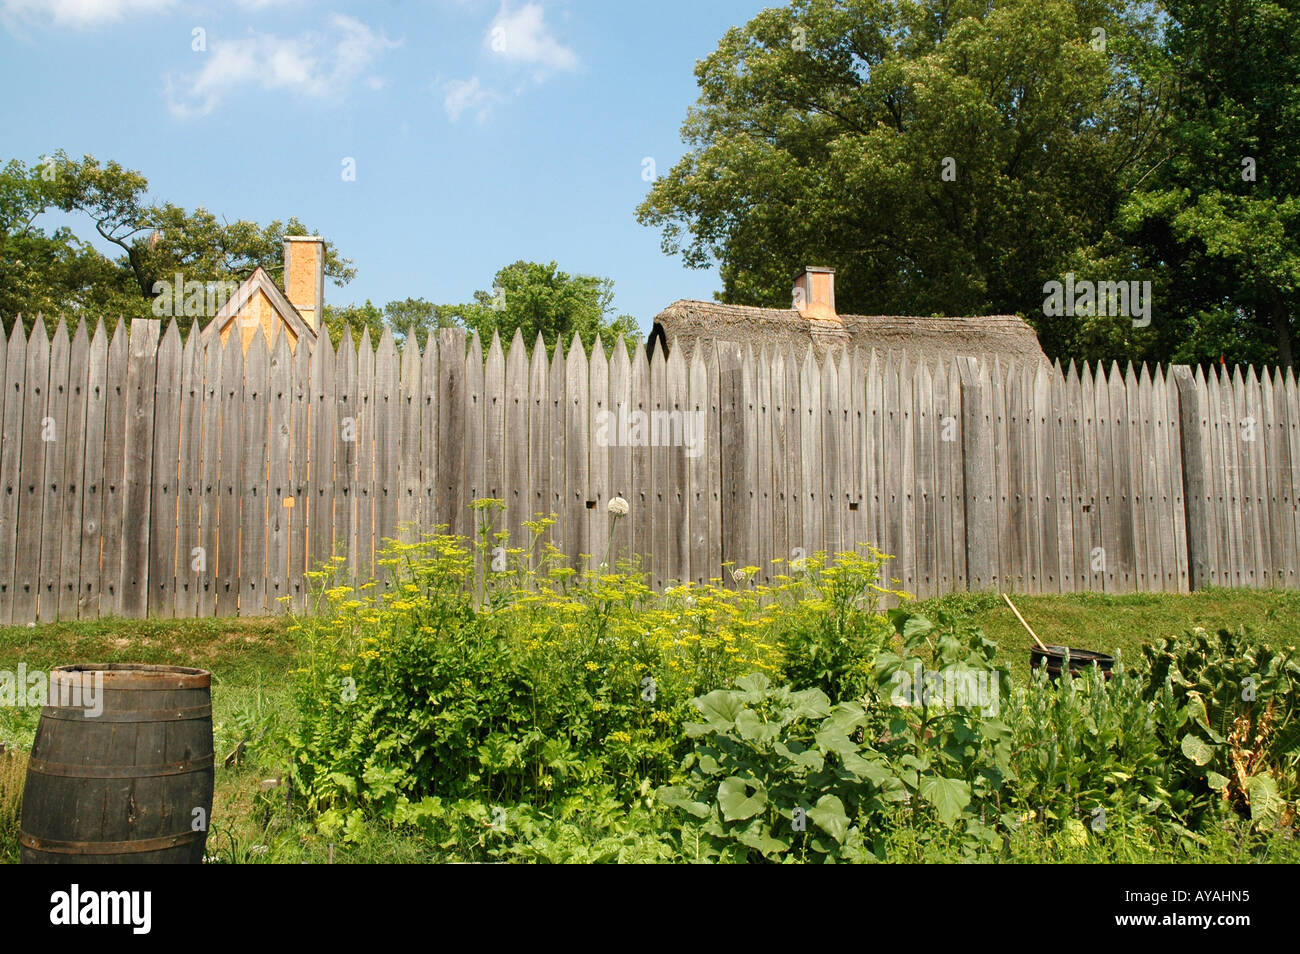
x=304 y=276
x=814 y=292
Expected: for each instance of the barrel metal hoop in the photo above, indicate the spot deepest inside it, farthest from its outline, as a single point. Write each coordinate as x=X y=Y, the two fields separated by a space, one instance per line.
x=64 y=770
x=54 y=846
x=74 y=714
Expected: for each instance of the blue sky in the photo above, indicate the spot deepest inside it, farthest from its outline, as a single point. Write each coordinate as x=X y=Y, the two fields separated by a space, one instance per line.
x=482 y=131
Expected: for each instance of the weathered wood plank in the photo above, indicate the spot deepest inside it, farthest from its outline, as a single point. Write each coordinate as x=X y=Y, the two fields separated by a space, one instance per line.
x=115 y=463
x=1057 y=458
x=1135 y=468
x=661 y=552
x=1292 y=400
x=576 y=461
x=11 y=457
x=138 y=472
x=92 y=480
x=347 y=418
x=698 y=490
x=252 y=481
x=735 y=510
x=516 y=478
x=1285 y=542
x=300 y=467
x=389 y=410
x=1122 y=464
x=620 y=451
x=230 y=481
x=429 y=436
x=957 y=482
x=280 y=501
x=942 y=428
x=365 y=540
x=164 y=498
x=108 y=602
x=1019 y=446
x=321 y=458
x=926 y=481
x=539 y=441
x=494 y=430
x=57 y=441
x=1195 y=429
x=810 y=458
x=74 y=467
x=1177 y=506
x=598 y=456
x=1105 y=549
x=717 y=527
x=873 y=459
x=27 y=562
x=410 y=492
x=827 y=459
x=1009 y=563
x=1160 y=525
x=189 y=477
x=561 y=533
x=683 y=441
x=978 y=479
x=762 y=484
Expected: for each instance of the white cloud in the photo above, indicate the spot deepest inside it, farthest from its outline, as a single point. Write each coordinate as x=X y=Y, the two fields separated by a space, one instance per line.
x=466 y=95
x=76 y=13
x=311 y=64
x=521 y=36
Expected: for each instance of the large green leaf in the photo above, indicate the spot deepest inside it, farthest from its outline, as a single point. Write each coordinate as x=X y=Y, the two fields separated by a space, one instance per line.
x=1196 y=749
x=720 y=708
x=758 y=835
x=737 y=802
x=1265 y=802
x=753 y=729
x=805 y=758
x=829 y=816
x=949 y=796
x=676 y=796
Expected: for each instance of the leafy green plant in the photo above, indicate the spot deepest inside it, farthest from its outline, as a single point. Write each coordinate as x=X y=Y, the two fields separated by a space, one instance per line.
x=13 y=775
x=775 y=774
x=1087 y=753
x=1228 y=715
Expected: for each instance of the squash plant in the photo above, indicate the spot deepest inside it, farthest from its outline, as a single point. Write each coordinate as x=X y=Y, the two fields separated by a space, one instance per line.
x=1229 y=715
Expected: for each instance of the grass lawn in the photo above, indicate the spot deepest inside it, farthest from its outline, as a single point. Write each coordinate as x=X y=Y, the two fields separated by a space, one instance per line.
x=1125 y=622
x=251 y=660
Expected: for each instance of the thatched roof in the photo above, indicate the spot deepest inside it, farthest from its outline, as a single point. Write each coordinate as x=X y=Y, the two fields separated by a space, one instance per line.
x=699 y=323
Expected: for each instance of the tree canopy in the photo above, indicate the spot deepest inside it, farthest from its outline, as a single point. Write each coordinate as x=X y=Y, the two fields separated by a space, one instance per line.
x=57 y=272
x=954 y=156
x=528 y=296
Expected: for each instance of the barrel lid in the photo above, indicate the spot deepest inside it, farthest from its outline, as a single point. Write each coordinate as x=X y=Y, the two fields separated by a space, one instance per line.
x=134 y=676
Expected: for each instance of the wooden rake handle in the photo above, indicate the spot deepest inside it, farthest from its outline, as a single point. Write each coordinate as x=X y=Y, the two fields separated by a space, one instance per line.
x=1023 y=623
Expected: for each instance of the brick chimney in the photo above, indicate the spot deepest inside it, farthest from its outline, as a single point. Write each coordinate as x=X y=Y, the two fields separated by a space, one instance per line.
x=304 y=276
x=814 y=292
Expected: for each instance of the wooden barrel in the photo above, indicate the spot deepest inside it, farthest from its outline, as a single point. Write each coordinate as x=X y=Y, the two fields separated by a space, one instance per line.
x=121 y=774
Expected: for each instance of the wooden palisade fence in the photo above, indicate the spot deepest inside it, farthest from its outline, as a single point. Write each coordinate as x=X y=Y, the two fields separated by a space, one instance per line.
x=146 y=475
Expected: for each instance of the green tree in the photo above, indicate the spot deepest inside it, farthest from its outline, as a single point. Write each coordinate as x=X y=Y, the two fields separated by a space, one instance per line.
x=946 y=156
x=533 y=298
x=1220 y=215
x=356 y=318
x=58 y=273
